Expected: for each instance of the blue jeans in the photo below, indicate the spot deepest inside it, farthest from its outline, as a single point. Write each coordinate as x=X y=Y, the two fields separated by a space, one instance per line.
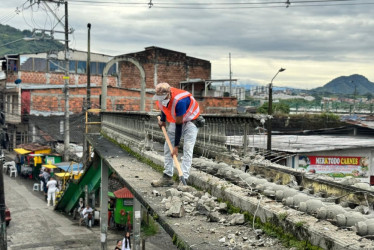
x=189 y=133
x=18 y=167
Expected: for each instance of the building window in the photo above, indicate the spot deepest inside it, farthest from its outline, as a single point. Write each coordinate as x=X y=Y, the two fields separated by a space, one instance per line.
x=120 y=107
x=94 y=68
x=112 y=70
x=72 y=65
x=26 y=63
x=56 y=66
x=82 y=66
x=101 y=68
x=40 y=65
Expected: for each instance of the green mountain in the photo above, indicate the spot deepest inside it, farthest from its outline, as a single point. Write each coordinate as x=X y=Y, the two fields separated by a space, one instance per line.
x=347 y=85
x=10 y=45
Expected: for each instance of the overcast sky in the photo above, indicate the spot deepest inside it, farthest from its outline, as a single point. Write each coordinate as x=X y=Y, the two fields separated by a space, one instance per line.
x=315 y=41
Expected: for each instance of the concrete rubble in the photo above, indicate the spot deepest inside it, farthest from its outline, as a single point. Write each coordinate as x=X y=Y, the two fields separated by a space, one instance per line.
x=360 y=220
x=196 y=203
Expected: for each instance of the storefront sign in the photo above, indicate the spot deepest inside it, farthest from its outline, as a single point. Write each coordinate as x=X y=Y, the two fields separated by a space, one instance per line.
x=128 y=202
x=336 y=166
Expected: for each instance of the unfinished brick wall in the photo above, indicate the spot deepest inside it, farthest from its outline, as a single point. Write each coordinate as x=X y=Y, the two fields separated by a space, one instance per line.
x=33 y=77
x=213 y=105
x=56 y=78
x=127 y=100
x=171 y=66
x=52 y=100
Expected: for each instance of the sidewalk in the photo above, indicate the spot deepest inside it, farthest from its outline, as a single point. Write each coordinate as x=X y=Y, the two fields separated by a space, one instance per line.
x=34 y=225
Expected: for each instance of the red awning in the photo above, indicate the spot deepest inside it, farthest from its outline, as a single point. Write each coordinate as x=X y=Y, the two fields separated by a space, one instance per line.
x=123 y=193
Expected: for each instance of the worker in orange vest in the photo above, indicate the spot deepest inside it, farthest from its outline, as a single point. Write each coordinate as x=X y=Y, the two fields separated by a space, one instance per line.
x=181 y=110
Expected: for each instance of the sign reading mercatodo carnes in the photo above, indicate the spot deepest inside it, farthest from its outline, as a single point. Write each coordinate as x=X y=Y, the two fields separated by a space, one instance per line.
x=336 y=166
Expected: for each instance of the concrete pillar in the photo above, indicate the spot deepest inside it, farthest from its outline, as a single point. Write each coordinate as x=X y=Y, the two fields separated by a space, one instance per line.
x=33 y=133
x=86 y=194
x=137 y=221
x=104 y=205
x=119 y=75
x=11 y=111
x=245 y=138
x=371 y=168
x=296 y=162
x=14 y=138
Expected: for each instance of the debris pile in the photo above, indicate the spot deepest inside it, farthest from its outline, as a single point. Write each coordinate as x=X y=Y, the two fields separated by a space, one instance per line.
x=360 y=219
x=197 y=203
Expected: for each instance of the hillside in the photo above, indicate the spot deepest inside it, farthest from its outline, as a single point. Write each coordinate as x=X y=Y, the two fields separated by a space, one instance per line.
x=9 y=34
x=347 y=84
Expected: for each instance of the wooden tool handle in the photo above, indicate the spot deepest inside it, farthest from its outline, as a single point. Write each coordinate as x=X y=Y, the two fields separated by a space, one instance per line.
x=176 y=162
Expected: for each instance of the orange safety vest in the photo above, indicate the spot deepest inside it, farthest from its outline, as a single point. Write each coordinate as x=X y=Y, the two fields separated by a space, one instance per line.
x=193 y=110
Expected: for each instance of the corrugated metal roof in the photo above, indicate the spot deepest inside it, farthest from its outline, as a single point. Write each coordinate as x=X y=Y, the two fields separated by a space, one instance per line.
x=306 y=144
x=123 y=193
x=33 y=147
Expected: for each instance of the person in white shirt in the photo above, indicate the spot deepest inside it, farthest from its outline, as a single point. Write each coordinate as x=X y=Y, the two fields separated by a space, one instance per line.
x=87 y=215
x=126 y=242
x=51 y=185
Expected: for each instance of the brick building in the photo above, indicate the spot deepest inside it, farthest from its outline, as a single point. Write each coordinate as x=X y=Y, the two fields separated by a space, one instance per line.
x=41 y=92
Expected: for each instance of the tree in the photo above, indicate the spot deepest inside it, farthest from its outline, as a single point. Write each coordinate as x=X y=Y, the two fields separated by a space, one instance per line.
x=277 y=108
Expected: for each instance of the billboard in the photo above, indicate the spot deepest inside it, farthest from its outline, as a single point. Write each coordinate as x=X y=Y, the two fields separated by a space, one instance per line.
x=336 y=166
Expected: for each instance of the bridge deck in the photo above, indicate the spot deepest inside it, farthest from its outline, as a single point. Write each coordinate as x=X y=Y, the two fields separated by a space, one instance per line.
x=193 y=231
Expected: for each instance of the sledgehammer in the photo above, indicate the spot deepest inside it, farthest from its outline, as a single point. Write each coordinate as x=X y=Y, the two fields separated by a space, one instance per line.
x=176 y=162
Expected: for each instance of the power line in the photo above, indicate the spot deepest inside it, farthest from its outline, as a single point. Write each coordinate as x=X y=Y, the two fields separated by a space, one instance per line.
x=227 y=5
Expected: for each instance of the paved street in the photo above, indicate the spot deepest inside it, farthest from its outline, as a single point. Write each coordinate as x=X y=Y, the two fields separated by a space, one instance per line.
x=36 y=226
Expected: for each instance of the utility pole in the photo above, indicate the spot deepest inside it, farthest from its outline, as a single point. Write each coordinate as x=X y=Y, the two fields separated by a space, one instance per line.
x=270 y=109
x=270 y=112
x=354 y=99
x=89 y=67
x=3 y=238
x=66 y=87
x=88 y=103
x=230 y=72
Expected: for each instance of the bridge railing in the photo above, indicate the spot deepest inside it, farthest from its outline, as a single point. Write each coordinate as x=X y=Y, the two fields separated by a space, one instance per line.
x=220 y=133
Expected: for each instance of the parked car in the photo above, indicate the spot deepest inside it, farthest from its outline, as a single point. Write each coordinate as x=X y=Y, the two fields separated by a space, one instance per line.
x=7 y=216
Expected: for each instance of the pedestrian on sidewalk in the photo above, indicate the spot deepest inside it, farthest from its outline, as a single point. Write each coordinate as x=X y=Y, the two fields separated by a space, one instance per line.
x=44 y=177
x=119 y=245
x=17 y=161
x=87 y=215
x=181 y=110
x=126 y=242
x=51 y=185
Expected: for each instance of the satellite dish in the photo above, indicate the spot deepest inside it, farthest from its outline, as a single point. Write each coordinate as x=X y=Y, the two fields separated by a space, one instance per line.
x=18 y=81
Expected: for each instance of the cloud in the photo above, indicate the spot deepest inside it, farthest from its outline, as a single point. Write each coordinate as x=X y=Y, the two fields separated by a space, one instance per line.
x=315 y=43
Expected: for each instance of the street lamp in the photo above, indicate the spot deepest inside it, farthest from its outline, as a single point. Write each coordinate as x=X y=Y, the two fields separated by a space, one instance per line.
x=270 y=108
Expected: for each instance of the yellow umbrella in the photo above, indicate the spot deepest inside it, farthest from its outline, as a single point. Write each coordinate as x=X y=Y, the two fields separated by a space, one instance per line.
x=50 y=166
x=22 y=151
x=62 y=175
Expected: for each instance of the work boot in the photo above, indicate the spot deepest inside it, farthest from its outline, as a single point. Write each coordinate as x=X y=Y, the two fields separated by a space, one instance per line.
x=164 y=181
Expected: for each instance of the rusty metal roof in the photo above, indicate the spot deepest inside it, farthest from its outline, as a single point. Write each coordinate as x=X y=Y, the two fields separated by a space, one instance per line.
x=33 y=147
x=123 y=193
